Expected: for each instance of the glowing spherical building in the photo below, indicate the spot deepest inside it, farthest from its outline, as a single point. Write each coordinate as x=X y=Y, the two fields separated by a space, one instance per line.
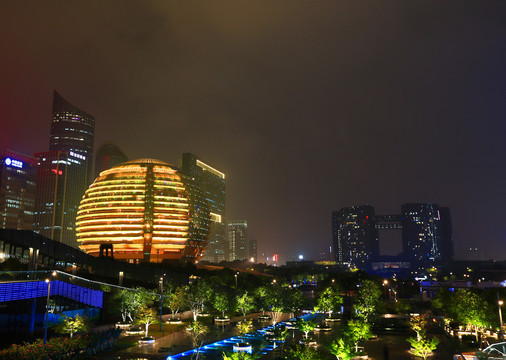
x=143 y=210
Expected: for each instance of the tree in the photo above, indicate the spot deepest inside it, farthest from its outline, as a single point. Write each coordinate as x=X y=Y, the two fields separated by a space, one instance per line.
x=295 y=300
x=302 y=352
x=280 y=333
x=466 y=307
x=147 y=316
x=305 y=326
x=261 y=297
x=472 y=310
x=244 y=303
x=74 y=324
x=221 y=303
x=173 y=298
x=130 y=301
x=356 y=331
x=368 y=298
x=341 y=349
x=241 y=356
x=197 y=294
x=328 y=300
x=418 y=324
x=196 y=330
x=423 y=347
x=244 y=327
x=277 y=304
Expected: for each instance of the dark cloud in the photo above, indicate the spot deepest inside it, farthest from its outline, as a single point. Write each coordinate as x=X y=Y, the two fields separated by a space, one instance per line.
x=307 y=106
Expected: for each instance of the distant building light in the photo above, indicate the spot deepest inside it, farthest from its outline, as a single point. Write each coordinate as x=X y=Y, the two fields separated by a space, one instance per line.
x=204 y=166
x=79 y=156
x=215 y=217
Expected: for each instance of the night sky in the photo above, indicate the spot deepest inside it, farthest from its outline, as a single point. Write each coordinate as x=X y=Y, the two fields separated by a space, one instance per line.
x=307 y=106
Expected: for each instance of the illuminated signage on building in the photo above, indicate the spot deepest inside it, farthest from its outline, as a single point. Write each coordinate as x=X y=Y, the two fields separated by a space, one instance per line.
x=12 y=162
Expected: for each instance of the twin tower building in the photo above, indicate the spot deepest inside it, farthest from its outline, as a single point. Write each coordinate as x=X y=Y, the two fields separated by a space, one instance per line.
x=427 y=238
x=140 y=210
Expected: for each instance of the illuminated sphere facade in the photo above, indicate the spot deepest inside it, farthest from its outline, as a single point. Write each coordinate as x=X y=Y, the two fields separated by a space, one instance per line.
x=141 y=210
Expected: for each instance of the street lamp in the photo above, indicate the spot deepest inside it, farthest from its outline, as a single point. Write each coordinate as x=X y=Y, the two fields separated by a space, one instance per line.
x=499 y=304
x=235 y=275
x=48 y=281
x=161 y=302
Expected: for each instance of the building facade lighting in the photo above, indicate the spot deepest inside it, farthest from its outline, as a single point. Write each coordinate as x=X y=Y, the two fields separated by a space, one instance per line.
x=142 y=210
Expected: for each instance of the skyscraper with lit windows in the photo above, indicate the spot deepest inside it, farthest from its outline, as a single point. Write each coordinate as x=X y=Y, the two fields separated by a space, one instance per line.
x=64 y=172
x=211 y=182
x=72 y=130
x=238 y=240
x=17 y=190
x=426 y=234
x=427 y=237
x=355 y=237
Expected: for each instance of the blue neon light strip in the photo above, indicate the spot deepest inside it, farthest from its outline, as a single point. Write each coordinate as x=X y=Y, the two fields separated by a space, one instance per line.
x=34 y=289
x=233 y=340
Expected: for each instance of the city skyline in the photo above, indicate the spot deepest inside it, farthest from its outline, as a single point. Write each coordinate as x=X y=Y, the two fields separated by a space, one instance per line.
x=308 y=108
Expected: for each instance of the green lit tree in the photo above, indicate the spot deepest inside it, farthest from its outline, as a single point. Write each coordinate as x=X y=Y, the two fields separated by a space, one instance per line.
x=221 y=303
x=147 y=316
x=261 y=298
x=277 y=304
x=72 y=325
x=294 y=299
x=342 y=349
x=368 y=298
x=472 y=310
x=197 y=294
x=197 y=331
x=244 y=303
x=305 y=326
x=244 y=327
x=241 y=356
x=357 y=331
x=329 y=300
x=423 y=347
x=302 y=352
x=173 y=298
x=130 y=301
x=418 y=324
x=466 y=307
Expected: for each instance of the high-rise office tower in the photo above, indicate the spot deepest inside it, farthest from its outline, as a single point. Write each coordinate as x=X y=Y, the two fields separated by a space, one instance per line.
x=427 y=237
x=355 y=237
x=238 y=240
x=426 y=234
x=72 y=130
x=252 y=250
x=212 y=184
x=61 y=180
x=64 y=172
x=108 y=155
x=18 y=174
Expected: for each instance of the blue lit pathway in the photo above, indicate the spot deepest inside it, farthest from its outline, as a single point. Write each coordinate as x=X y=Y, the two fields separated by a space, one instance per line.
x=218 y=339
